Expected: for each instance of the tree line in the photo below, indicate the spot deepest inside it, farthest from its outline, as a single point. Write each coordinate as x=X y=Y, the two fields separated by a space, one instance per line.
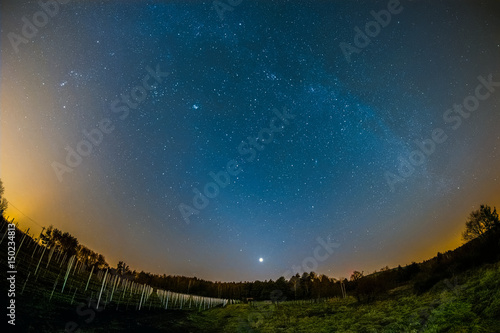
x=482 y=245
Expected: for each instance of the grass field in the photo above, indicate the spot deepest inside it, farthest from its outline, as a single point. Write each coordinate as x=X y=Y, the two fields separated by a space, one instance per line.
x=470 y=302
x=55 y=293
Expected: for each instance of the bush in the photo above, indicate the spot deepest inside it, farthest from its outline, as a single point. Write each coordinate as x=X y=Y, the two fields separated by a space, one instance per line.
x=452 y=317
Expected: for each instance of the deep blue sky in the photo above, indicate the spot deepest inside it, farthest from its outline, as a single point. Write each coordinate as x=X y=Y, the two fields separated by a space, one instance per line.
x=324 y=175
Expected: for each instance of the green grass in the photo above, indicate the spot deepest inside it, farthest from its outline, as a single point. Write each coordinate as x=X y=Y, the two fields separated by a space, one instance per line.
x=468 y=303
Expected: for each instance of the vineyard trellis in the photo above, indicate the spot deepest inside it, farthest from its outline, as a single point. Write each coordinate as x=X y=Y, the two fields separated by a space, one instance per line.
x=50 y=272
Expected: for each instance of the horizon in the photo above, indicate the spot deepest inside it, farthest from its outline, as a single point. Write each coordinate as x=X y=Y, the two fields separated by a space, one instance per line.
x=365 y=274
x=247 y=144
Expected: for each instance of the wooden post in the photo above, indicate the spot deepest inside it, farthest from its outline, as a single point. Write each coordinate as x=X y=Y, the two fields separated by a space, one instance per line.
x=102 y=286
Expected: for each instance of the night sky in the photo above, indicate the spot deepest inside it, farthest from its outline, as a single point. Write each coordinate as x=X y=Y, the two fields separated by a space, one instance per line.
x=311 y=125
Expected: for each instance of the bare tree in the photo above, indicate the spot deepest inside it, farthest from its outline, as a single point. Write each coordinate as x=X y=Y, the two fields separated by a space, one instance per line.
x=122 y=268
x=3 y=201
x=355 y=276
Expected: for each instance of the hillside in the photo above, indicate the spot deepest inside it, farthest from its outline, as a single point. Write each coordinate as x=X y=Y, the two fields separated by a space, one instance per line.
x=60 y=285
x=469 y=302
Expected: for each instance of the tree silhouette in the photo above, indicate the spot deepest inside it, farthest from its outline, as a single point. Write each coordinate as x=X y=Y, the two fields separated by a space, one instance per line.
x=355 y=276
x=69 y=243
x=295 y=284
x=101 y=262
x=479 y=222
x=54 y=237
x=49 y=237
x=122 y=268
x=3 y=201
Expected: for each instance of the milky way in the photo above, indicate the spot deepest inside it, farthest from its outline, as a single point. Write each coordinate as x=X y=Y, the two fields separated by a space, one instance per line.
x=197 y=138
